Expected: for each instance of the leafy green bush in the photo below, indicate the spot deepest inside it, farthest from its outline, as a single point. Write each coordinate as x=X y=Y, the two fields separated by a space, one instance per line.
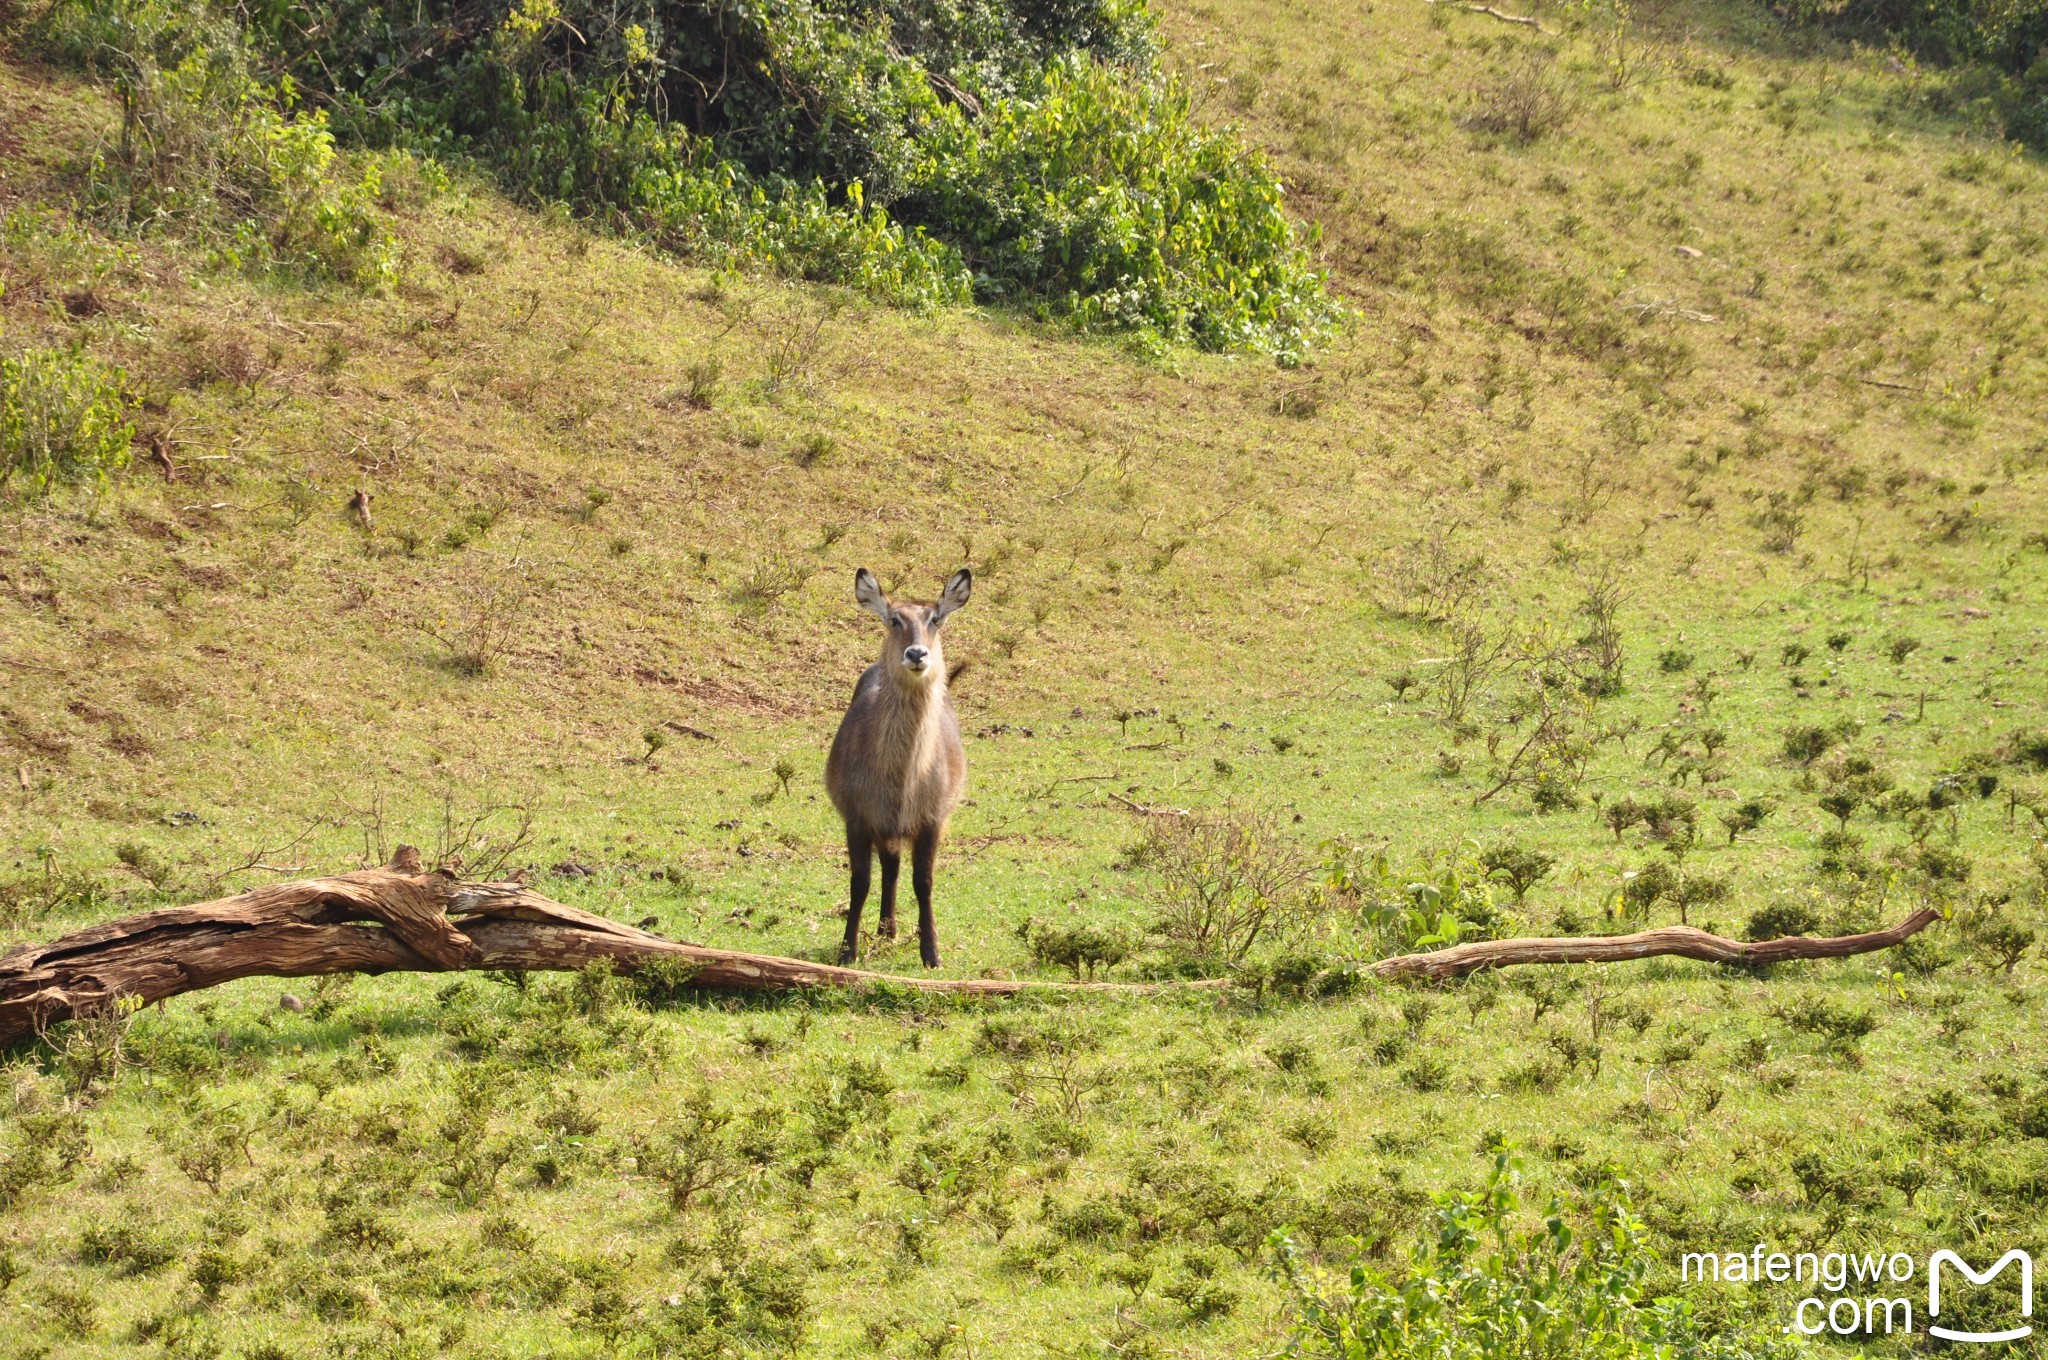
x=1489 y=1287
x=1103 y=199
x=205 y=146
x=1520 y=867
x=1440 y=900
x=63 y=420
x=1998 y=44
x=919 y=151
x=1807 y=744
x=1642 y=889
x=1841 y=1024
x=1785 y=917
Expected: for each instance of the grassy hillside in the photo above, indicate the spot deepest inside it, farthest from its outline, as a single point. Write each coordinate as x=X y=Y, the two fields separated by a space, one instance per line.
x=1746 y=327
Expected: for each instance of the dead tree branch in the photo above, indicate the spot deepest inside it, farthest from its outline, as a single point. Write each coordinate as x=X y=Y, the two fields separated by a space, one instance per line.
x=1686 y=942
x=399 y=919
x=1491 y=12
x=390 y=920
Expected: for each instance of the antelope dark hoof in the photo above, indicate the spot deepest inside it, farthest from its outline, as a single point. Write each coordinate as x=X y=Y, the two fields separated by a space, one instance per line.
x=931 y=958
x=887 y=928
x=846 y=956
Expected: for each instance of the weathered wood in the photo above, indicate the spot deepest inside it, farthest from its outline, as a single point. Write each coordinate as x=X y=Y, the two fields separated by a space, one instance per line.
x=372 y=921
x=1688 y=942
x=400 y=919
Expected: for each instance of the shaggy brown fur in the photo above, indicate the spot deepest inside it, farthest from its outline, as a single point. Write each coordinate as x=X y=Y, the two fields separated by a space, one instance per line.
x=897 y=769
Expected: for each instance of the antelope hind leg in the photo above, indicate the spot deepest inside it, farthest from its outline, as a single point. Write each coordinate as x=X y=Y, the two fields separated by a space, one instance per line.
x=892 y=864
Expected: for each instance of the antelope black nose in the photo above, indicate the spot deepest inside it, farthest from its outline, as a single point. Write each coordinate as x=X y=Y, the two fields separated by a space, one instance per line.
x=915 y=655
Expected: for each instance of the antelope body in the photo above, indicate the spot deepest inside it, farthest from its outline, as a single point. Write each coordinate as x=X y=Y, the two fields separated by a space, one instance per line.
x=897 y=769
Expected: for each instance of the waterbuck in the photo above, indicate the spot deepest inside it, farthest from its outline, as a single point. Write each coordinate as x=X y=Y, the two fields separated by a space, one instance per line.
x=897 y=771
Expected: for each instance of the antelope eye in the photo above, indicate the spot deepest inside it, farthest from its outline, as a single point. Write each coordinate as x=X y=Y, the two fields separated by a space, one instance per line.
x=895 y=620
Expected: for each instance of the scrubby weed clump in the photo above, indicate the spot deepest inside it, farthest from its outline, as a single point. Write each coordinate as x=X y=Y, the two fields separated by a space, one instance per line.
x=1228 y=882
x=919 y=153
x=63 y=420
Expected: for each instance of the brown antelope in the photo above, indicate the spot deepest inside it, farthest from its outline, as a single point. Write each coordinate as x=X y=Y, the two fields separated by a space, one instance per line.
x=897 y=771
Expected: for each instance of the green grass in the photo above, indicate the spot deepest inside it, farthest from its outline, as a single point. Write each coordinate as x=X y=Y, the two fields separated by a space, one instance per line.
x=613 y=496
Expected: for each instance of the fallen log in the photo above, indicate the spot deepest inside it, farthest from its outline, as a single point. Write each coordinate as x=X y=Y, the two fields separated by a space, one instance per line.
x=390 y=920
x=402 y=919
x=1686 y=942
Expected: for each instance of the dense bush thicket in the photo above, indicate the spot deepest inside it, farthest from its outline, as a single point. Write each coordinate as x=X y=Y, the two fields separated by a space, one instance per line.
x=2003 y=43
x=207 y=143
x=926 y=151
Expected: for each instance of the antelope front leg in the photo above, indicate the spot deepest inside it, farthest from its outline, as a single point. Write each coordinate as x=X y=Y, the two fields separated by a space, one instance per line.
x=892 y=864
x=858 y=850
x=922 y=853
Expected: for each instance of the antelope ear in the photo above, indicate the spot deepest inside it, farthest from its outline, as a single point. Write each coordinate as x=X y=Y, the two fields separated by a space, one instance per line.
x=957 y=591
x=868 y=591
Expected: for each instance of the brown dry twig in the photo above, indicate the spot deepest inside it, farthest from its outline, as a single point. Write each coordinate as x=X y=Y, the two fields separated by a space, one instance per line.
x=1491 y=12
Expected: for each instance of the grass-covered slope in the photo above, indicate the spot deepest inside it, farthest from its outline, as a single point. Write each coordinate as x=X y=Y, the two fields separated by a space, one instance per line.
x=1746 y=329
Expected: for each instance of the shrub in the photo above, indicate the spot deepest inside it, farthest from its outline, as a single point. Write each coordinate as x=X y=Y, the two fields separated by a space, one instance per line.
x=919 y=152
x=1923 y=956
x=45 y=1150
x=1776 y=920
x=1623 y=813
x=1104 y=198
x=1841 y=1025
x=1521 y=868
x=1641 y=889
x=63 y=420
x=1745 y=817
x=1943 y=866
x=1081 y=947
x=1426 y=1074
x=1486 y=1286
x=1698 y=890
x=664 y=982
x=2005 y=940
x=136 y=1251
x=1525 y=102
x=736 y=1298
x=30 y=899
x=204 y=145
x=1672 y=818
x=691 y=1154
x=1228 y=880
x=1807 y=744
